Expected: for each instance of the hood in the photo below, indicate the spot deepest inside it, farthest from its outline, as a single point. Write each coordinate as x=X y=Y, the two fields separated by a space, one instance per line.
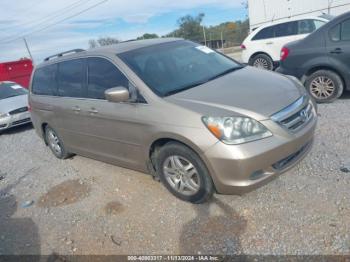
x=12 y=103
x=249 y=91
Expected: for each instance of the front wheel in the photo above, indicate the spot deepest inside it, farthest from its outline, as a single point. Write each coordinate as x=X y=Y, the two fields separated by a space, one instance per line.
x=183 y=173
x=325 y=86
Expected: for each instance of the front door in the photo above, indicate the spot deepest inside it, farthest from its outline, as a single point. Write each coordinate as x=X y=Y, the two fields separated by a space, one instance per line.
x=114 y=129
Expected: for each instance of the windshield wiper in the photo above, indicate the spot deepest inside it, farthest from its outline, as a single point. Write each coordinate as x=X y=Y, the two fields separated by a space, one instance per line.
x=230 y=70
x=172 y=92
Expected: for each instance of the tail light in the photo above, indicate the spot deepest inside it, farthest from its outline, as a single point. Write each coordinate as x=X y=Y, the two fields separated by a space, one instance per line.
x=284 y=53
x=243 y=46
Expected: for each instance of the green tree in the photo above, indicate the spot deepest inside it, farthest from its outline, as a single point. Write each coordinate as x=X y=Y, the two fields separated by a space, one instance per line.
x=189 y=28
x=148 y=36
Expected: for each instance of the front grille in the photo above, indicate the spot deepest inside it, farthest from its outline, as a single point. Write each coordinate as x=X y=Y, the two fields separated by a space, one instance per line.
x=19 y=110
x=26 y=120
x=295 y=116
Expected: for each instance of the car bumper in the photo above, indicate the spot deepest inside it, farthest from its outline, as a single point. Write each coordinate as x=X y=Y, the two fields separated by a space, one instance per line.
x=14 y=120
x=242 y=168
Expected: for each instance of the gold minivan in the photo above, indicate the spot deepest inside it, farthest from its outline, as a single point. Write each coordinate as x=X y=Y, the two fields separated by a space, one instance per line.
x=190 y=116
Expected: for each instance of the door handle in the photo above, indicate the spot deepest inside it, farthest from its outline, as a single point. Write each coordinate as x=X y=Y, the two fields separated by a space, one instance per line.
x=269 y=43
x=76 y=109
x=93 y=111
x=336 y=51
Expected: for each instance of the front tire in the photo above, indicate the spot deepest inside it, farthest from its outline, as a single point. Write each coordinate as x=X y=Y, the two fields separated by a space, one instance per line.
x=55 y=143
x=325 y=86
x=262 y=61
x=183 y=173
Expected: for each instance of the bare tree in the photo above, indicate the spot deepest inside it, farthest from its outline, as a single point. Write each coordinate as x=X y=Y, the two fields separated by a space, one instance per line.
x=103 y=41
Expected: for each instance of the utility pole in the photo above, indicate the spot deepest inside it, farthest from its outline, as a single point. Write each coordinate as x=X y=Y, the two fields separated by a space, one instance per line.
x=30 y=54
x=222 y=40
x=205 y=37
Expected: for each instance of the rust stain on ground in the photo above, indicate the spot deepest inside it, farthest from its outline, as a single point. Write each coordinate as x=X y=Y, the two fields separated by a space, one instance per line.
x=113 y=208
x=66 y=193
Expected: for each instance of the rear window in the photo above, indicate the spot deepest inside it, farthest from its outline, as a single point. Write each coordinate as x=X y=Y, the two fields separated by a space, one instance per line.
x=8 y=90
x=44 y=81
x=71 y=78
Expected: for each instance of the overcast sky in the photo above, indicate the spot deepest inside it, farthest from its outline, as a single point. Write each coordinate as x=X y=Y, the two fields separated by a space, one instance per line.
x=123 y=19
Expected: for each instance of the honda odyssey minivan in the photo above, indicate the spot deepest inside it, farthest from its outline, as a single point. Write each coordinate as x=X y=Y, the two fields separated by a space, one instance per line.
x=188 y=115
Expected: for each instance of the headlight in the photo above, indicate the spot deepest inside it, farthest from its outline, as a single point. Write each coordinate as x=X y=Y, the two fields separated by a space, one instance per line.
x=236 y=130
x=3 y=115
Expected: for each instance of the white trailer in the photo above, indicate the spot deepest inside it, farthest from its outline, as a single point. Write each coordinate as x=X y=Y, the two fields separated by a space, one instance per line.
x=262 y=12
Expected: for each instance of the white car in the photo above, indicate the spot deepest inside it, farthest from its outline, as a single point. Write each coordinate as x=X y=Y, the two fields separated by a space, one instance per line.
x=13 y=105
x=262 y=48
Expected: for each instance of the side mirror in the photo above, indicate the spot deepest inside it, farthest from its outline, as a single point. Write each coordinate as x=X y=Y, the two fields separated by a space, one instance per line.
x=117 y=94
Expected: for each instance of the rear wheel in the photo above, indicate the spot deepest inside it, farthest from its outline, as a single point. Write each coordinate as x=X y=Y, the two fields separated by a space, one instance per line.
x=262 y=61
x=183 y=173
x=55 y=143
x=325 y=86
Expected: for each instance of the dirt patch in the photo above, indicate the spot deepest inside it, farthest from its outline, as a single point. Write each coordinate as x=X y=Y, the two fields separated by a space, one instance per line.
x=113 y=208
x=66 y=193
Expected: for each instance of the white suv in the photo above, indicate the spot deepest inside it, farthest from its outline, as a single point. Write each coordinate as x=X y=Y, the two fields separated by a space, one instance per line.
x=263 y=46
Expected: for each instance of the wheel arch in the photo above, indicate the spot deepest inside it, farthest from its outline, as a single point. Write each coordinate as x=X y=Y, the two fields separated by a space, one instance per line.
x=259 y=53
x=314 y=69
x=160 y=141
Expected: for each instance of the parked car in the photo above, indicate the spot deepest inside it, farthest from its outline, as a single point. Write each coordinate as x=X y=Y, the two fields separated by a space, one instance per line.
x=262 y=47
x=178 y=110
x=17 y=71
x=13 y=105
x=321 y=60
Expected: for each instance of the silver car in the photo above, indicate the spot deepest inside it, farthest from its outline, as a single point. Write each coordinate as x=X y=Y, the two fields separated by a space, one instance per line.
x=13 y=105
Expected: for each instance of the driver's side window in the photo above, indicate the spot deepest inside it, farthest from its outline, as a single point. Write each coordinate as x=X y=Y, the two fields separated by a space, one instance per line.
x=102 y=75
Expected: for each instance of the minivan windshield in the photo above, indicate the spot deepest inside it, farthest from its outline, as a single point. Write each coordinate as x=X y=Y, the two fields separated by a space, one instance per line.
x=8 y=90
x=173 y=67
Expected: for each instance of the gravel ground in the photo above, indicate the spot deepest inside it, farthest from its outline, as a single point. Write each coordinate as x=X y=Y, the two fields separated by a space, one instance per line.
x=82 y=206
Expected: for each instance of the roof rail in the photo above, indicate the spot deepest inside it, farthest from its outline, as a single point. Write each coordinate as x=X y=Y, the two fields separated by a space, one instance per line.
x=64 y=53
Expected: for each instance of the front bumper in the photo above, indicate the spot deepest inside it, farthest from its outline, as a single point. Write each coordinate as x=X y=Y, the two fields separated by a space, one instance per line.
x=14 y=120
x=243 y=168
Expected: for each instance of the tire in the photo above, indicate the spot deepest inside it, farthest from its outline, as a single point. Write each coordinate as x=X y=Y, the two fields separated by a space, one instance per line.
x=196 y=181
x=261 y=61
x=55 y=143
x=319 y=82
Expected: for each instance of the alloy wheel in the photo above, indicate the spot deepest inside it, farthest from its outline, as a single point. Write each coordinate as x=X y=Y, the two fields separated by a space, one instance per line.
x=322 y=87
x=261 y=63
x=54 y=142
x=181 y=175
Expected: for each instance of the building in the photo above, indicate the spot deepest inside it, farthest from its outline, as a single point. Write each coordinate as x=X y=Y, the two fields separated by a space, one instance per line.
x=265 y=11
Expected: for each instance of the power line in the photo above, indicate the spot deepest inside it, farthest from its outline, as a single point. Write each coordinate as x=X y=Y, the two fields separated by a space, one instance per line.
x=59 y=21
x=58 y=13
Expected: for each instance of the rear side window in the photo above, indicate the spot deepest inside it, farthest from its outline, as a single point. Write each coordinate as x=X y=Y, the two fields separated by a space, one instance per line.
x=71 y=78
x=103 y=75
x=340 y=32
x=44 y=81
x=286 y=29
x=334 y=33
x=264 y=34
x=306 y=26
x=345 y=30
